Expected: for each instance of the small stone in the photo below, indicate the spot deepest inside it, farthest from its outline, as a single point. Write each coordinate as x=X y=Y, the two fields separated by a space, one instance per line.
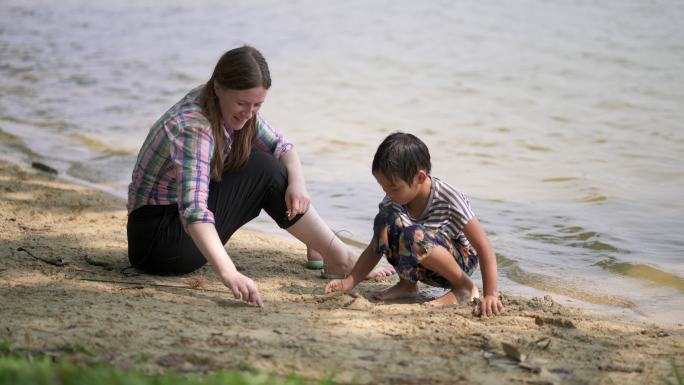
x=543 y=343
x=513 y=352
x=172 y=361
x=555 y=321
x=530 y=367
x=549 y=376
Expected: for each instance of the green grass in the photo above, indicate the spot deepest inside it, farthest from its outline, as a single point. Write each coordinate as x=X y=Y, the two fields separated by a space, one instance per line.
x=18 y=368
x=678 y=376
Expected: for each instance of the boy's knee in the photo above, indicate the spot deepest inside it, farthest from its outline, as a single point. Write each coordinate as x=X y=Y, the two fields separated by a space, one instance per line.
x=414 y=233
x=416 y=238
x=387 y=218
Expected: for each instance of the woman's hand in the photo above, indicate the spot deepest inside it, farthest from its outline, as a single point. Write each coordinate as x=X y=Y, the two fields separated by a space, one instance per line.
x=344 y=285
x=297 y=200
x=207 y=240
x=243 y=288
x=488 y=306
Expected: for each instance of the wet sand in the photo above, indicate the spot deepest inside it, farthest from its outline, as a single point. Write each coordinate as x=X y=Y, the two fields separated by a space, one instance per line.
x=75 y=303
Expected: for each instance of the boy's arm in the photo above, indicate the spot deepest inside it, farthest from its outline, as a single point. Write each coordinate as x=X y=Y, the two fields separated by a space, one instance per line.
x=363 y=266
x=490 y=304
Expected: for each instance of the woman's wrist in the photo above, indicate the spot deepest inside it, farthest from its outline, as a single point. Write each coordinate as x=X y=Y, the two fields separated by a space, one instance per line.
x=228 y=276
x=227 y=272
x=296 y=182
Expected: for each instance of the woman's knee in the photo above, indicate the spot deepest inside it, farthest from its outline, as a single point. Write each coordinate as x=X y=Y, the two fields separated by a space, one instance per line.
x=261 y=168
x=269 y=167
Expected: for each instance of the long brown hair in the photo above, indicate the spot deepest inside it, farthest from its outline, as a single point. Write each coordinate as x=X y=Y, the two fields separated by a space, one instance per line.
x=238 y=69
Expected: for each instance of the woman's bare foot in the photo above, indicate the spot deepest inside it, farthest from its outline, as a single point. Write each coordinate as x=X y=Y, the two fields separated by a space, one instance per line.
x=382 y=269
x=455 y=296
x=314 y=260
x=403 y=289
x=313 y=255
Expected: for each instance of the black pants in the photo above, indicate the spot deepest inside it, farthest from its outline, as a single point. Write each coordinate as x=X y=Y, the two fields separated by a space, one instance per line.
x=157 y=243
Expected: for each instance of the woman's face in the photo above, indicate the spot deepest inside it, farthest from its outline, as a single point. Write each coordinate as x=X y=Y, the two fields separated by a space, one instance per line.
x=239 y=106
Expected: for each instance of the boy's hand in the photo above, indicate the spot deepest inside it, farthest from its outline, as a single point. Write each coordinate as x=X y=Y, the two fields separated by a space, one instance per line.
x=488 y=306
x=344 y=285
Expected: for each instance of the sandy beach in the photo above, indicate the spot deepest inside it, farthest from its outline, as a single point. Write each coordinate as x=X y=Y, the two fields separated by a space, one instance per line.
x=75 y=303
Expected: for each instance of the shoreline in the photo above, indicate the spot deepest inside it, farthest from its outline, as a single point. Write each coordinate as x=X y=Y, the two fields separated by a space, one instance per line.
x=512 y=276
x=191 y=323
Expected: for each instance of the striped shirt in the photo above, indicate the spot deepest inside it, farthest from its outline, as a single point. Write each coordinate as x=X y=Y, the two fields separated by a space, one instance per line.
x=174 y=163
x=448 y=211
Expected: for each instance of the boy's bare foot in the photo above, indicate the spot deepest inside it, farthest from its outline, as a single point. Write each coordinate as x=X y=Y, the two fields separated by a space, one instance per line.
x=454 y=297
x=403 y=289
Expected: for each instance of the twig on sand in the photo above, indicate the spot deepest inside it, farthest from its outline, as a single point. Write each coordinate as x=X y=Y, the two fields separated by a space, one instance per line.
x=93 y=262
x=621 y=368
x=44 y=167
x=149 y=284
x=55 y=262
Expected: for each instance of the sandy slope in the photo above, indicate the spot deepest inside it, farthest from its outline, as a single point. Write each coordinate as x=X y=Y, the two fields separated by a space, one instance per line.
x=65 y=310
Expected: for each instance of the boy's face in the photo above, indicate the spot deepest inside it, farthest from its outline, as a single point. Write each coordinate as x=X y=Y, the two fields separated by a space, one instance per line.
x=398 y=190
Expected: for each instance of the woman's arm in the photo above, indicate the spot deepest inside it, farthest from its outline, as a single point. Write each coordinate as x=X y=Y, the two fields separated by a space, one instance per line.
x=191 y=152
x=296 y=197
x=490 y=303
x=208 y=242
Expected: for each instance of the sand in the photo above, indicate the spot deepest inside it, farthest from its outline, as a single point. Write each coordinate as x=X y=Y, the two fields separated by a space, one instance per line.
x=82 y=308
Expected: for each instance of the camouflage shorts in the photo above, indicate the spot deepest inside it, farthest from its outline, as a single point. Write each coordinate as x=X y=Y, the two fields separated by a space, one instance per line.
x=406 y=246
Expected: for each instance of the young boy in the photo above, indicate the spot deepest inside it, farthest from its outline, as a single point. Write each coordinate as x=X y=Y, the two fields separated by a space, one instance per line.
x=427 y=230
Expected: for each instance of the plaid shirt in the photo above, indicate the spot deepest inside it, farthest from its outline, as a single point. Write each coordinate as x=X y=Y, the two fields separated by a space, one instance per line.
x=174 y=163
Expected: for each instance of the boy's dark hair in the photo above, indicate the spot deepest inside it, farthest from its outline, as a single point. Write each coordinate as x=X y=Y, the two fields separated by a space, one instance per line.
x=401 y=156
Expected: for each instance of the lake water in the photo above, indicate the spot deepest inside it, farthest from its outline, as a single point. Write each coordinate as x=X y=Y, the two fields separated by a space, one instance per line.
x=562 y=121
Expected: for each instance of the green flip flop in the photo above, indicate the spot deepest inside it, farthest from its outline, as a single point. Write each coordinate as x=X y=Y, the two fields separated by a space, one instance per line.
x=326 y=275
x=314 y=264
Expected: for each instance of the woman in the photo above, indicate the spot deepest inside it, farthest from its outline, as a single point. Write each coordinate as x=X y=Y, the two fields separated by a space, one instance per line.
x=208 y=166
